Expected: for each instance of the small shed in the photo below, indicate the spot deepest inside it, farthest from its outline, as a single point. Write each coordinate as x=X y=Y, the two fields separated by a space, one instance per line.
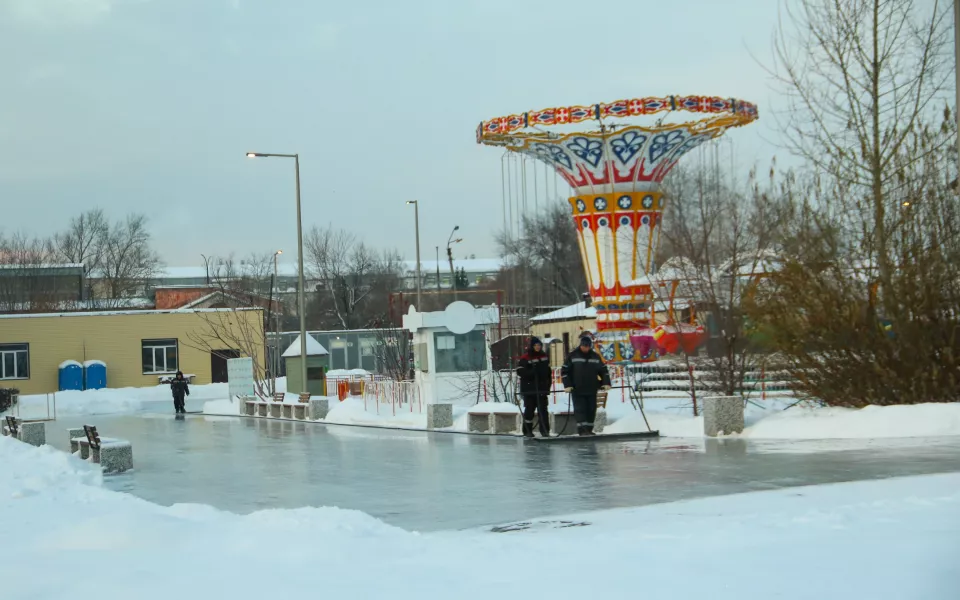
x=70 y=376
x=318 y=359
x=94 y=374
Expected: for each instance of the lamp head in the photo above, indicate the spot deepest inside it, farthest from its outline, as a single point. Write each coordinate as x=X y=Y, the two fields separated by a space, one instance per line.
x=251 y=154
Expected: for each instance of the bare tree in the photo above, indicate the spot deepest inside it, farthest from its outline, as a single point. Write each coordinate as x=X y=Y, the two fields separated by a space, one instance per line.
x=862 y=76
x=84 y=240
x=545 y=264
x=394 y=352
x=28 y=278
x=234 y=330
x=128 y=261
x=721 y=238
x=355 y=281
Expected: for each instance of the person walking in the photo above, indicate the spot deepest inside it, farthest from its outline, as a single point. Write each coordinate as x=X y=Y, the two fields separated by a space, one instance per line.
x=536 y=379
x=584 y=373
x=180 y=389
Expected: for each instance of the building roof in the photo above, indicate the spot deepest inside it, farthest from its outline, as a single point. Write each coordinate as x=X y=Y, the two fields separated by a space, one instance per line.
x=314 y=348
x=102 y=313
x=470 y=265
x=568 y=313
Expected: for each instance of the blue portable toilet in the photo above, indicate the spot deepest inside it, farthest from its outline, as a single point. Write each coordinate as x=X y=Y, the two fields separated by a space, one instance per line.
x=71 y=375
x=95 y=374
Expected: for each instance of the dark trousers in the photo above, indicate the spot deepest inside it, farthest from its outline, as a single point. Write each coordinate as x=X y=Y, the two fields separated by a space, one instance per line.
x=178 y=404
x=585 y=409
x=536 y=403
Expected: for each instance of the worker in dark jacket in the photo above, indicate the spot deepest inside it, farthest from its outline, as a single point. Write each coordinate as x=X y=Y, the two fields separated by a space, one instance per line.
x=583 y=375
x=180 y=389
x=536 y=379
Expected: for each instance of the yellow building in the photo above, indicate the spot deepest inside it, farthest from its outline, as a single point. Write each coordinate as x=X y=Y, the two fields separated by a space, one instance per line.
x=138 y=347
x=562 y=328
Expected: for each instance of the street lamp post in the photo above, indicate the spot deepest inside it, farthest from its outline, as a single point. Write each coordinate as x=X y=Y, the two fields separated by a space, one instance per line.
x=416 y=216
x=438 y=272
x=453 y=275
x=206 y=265
x=301 y=291
x=276 y=329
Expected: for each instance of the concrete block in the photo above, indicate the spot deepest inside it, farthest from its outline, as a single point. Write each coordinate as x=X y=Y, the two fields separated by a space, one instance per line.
x=276 y=410
x=114 y=457
x=74 y=433
x=722 y=415
x=563 y=423
x=505 y=422
x=262 y=409
x=250 y=408
x=600 y=421
x=34 y=434
x=300 y=411
x=83 y=446
x=319 y=408
x=439 y=416
x=478 y=422
x=287 y=411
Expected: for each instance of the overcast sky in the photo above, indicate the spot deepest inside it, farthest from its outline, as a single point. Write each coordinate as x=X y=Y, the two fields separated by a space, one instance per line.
x=149 y=106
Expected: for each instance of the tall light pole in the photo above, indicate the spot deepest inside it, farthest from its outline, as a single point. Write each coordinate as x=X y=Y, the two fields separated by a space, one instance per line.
x=438 y=272
x=206 y=265
x=301 y=291
x=453 y=275
x=276 y=329
x=416 y=216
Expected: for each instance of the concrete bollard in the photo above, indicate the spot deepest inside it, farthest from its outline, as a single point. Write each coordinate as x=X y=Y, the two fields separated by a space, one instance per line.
x=34 y=434
x=439 y=416
x=75 y=434
x=319 y=408
x=505 y=422
x=478 y=422
x=276 y=411
x=722 y=415
x=114 y=457
x=262 y=409
x=563 y=423
x=300 y=411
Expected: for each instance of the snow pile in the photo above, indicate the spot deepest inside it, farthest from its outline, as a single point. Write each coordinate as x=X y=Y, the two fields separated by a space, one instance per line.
x=109 y=401
x=916 y=420
x=66 y=531
x=28 y=471
x=345 y=373
x=352 y=412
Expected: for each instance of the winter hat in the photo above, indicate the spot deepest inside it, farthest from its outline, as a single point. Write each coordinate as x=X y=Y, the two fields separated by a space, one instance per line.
x=534 y=341
x=586 y=341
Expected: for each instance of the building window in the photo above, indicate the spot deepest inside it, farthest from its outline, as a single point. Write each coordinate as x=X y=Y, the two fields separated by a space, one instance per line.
x=159 y=356
x=461 y=353
x=14 y=361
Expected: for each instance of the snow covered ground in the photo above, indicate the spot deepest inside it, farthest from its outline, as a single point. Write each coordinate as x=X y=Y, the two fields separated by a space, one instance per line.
x=66 y=535
x=671 y=415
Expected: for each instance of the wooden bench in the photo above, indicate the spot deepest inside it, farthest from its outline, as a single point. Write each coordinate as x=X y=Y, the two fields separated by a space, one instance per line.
x=279 y=396
x=114 y=456
x=602 y=399
x=13 y=427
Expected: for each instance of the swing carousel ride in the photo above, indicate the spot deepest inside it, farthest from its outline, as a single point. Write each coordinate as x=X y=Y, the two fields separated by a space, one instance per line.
x=616 y=171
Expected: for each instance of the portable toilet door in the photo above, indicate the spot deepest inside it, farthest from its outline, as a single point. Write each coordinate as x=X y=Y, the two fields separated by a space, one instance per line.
x=94 y=374
x=70 y=376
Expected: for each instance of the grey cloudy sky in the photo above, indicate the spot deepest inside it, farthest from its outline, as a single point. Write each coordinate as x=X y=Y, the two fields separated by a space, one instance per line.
x=150 y=105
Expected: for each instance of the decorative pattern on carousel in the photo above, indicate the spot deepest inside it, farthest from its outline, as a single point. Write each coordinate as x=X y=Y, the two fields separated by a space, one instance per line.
x=743 y=112
x=633 y=155
x=617 y=235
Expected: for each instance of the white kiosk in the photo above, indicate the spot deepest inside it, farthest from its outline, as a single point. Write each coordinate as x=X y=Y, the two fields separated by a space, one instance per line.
x=452 y=351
